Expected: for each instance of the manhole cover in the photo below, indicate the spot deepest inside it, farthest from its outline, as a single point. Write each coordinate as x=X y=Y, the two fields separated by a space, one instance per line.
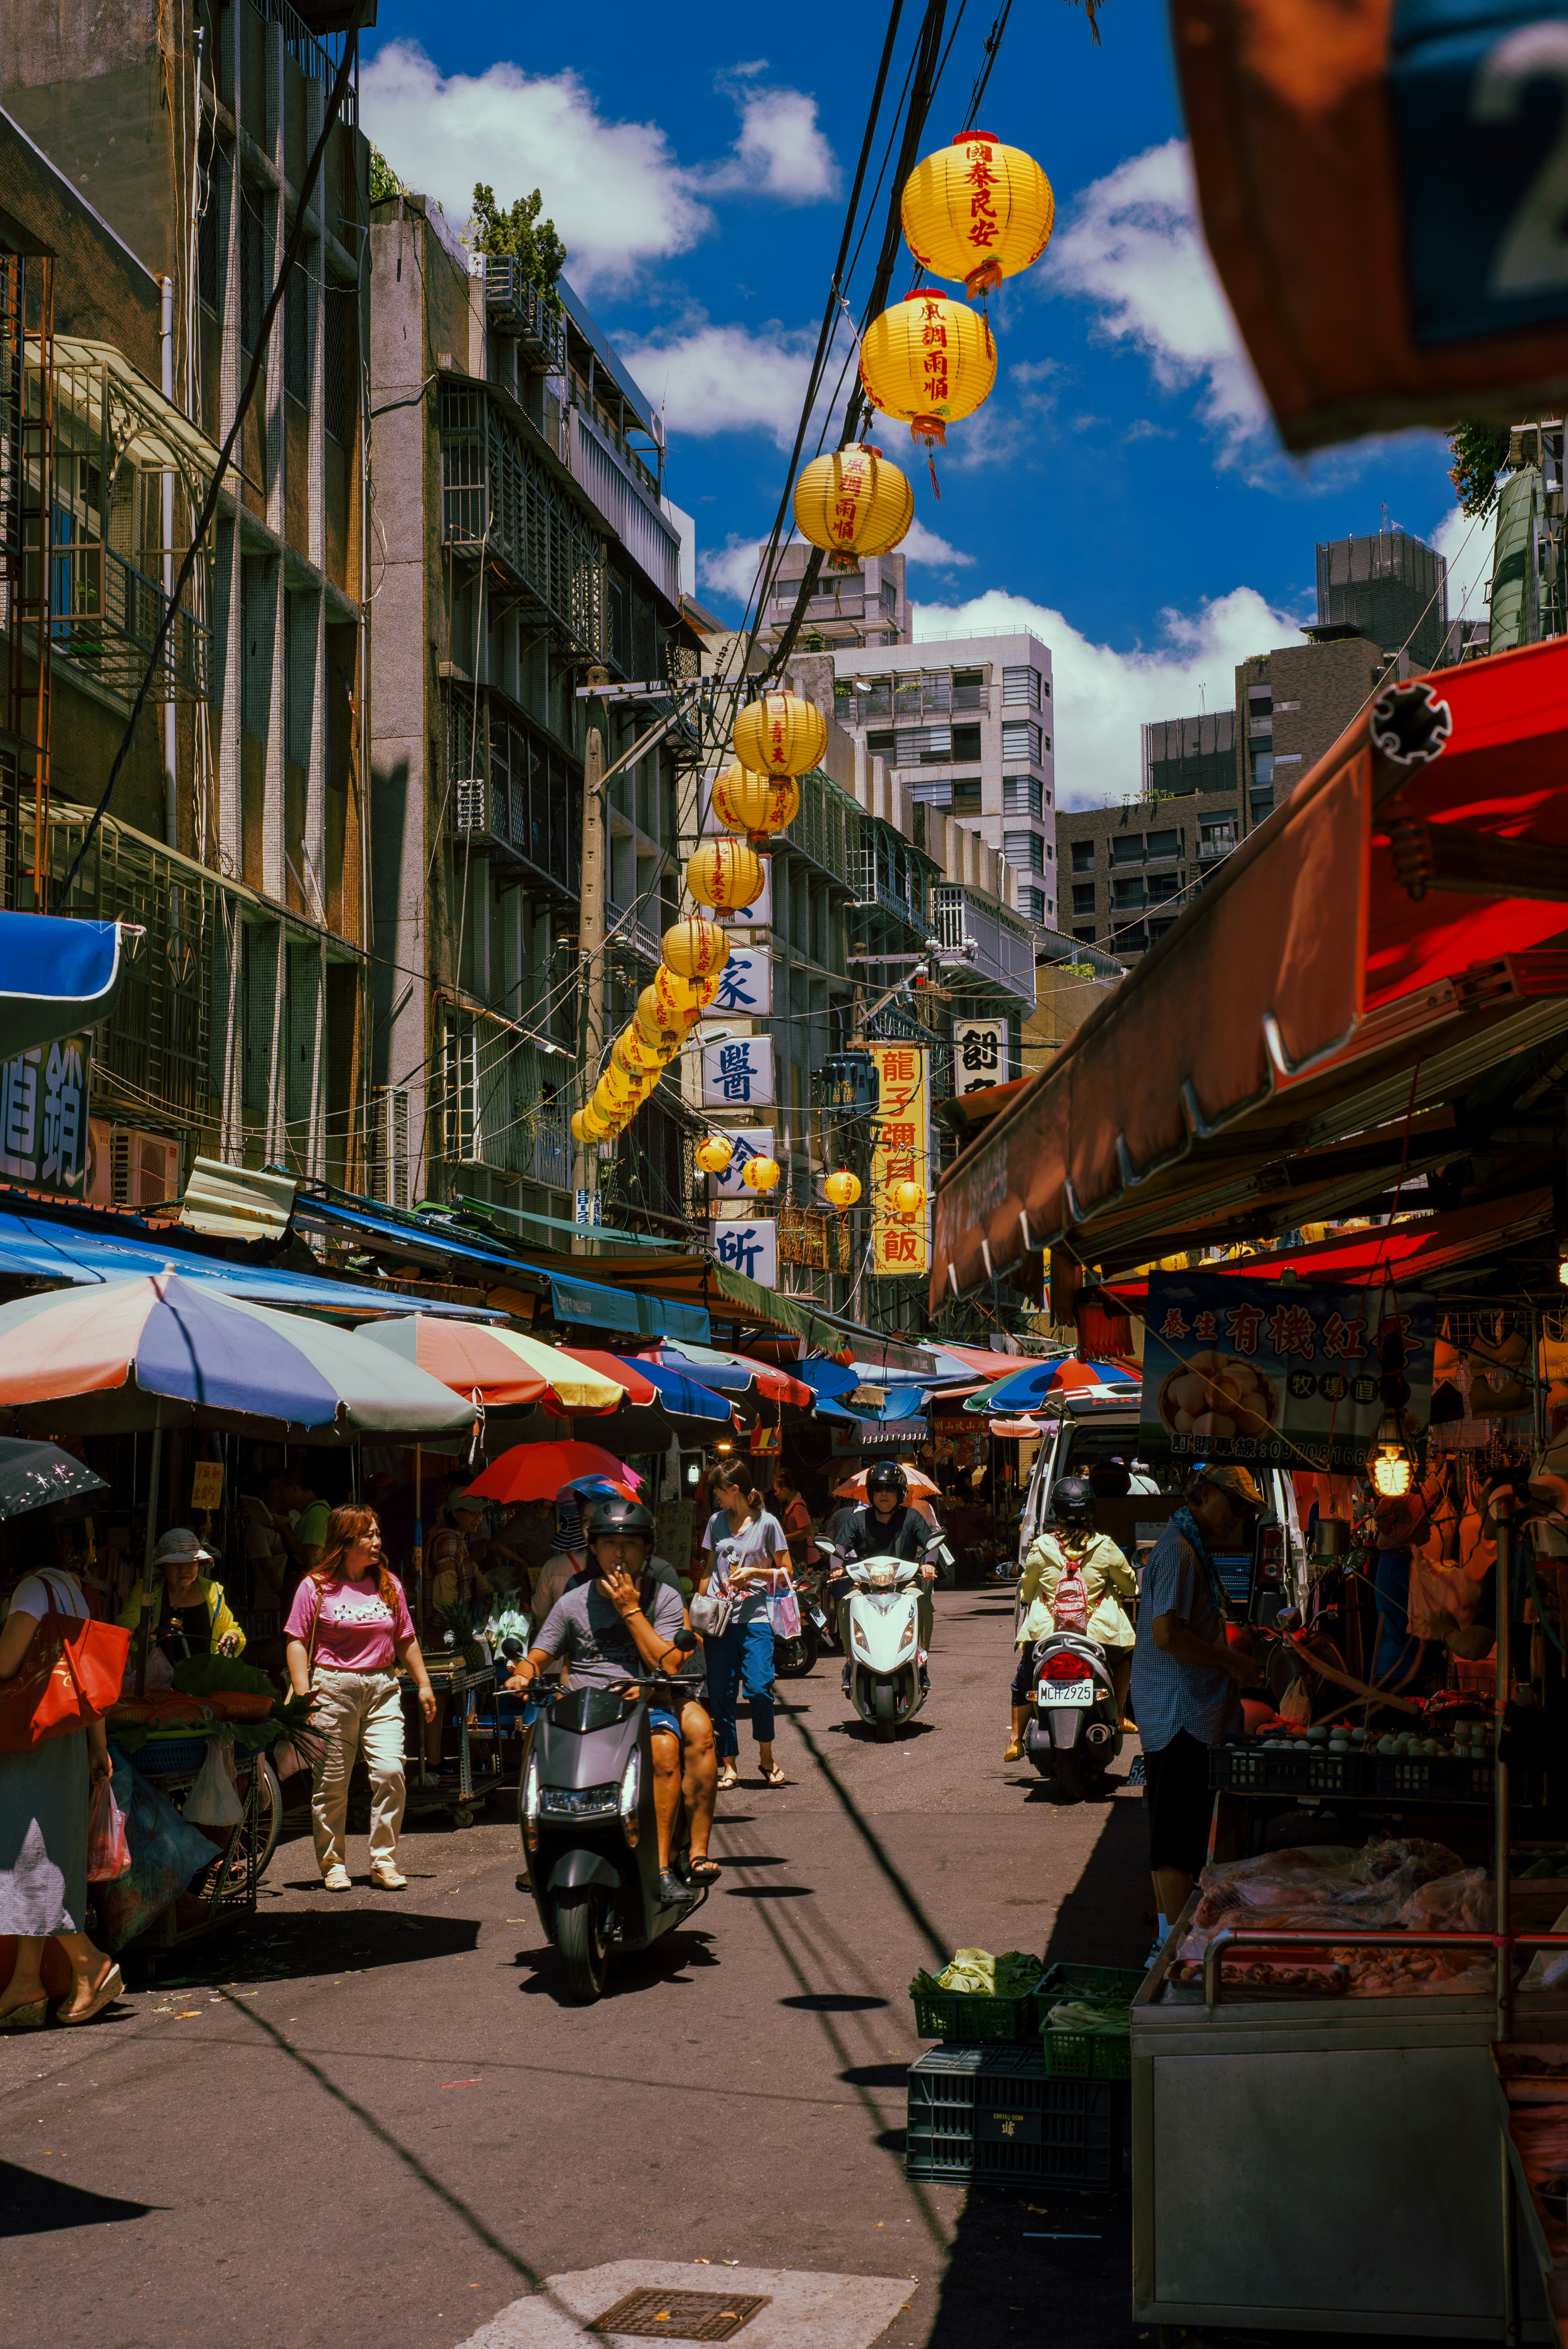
x=681 y=2315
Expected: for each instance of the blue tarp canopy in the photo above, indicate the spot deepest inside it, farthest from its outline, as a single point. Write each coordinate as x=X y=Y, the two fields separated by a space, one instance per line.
x=420 y=1242
x=904 y=1408
x=597 y=1307
x=39 y=1248
x=55 y=977
x=831 y=1380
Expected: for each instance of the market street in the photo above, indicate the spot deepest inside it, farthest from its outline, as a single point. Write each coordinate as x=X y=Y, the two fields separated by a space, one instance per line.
x=379 y=2124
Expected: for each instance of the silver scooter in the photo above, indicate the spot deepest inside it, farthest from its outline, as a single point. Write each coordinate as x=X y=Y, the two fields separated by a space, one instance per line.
x=1074 y=1729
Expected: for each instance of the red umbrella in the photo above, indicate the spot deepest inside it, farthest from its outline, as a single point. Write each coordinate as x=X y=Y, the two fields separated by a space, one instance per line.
x=854 y=1488
x=536 y=1472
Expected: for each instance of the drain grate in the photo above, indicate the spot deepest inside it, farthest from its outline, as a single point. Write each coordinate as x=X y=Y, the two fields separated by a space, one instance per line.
x=650 y=2316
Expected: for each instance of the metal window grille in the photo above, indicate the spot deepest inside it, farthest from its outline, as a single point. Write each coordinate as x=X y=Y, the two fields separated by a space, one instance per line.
x=1021 y=739
x=296 y=333
x=339 y=311
x=1025 y=851
x=255 y=262
x=1021 y=688
x=390 y=1145
x=496 y=492
x=1083 y=856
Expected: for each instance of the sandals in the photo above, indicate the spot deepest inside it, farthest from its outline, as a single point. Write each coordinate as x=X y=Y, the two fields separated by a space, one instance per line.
x=31 y=2017
x=729 y=1779
x=111 y=1987
x=701 y=1869
x=772 y=1775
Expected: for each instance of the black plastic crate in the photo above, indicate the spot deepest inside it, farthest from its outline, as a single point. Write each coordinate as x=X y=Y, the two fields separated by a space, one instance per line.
x=1258 y=1770
x=996 y=2113
x=1337 y=1774
x=1445 y=1778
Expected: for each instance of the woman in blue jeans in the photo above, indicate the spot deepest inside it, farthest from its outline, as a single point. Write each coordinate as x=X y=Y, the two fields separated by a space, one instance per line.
x=745 y=1547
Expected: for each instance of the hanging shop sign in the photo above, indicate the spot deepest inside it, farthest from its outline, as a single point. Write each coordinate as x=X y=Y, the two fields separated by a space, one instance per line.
x=43 y=1115
x=749 y=1245
x=979 y=1055
x=900 y=1242
x=744 y=1144
x=757 y=915
x=746 y=982
x=737 y=1073
x=1285 y=1376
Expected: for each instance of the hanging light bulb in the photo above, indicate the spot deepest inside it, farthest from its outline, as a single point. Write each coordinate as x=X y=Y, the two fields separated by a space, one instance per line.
x=1391 y=1463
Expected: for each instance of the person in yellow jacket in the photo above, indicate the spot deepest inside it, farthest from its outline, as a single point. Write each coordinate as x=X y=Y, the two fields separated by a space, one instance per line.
x=190 y=1616
x=1108 y=1579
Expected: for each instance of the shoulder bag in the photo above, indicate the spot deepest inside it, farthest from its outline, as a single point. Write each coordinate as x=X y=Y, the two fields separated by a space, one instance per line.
x=71 y=1674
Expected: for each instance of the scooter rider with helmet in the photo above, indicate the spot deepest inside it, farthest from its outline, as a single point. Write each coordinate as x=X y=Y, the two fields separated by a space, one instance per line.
x=1100 y=1580
x=613 y=1622
x=888 y=1527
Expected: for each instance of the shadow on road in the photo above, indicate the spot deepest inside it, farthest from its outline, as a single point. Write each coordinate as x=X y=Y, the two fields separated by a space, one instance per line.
x=338 y=1941
x=1001 y=2279
x=31 y=2204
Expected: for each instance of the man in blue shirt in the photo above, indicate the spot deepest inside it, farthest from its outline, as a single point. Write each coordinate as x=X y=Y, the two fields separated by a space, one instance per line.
x=1186 y=1678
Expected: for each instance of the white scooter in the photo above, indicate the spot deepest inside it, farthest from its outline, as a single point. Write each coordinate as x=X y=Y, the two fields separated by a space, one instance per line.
x=885 y=1677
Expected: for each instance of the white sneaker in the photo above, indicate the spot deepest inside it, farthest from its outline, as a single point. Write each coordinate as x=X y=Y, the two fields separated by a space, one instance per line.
x=337 y=1879
x=388 y=1877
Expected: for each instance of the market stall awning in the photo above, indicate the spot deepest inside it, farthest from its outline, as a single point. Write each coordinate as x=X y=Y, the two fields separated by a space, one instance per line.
x=402 y=1238
x=56 y=976
x=597 y=1305
x=660 y=1404
x=1377 y=944
x=1433 y=1253
x=1026 y=1390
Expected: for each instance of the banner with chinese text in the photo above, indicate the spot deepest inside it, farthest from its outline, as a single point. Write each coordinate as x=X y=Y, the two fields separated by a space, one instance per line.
x=43 y=1115
x=1284 y=1375
x=901 y=1245
x=979 y=1055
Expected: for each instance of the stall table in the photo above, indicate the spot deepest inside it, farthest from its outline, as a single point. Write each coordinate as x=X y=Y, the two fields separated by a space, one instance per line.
x=453 y=1677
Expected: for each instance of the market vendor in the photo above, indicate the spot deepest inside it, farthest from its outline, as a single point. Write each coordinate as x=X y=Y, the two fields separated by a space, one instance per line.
x=1186 y=1677
x=189 y=1614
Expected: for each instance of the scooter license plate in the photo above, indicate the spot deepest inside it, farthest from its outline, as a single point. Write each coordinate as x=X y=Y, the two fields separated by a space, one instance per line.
x=1067 y=1691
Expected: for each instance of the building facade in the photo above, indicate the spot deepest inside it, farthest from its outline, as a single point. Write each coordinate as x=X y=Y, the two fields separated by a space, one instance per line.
x=1388 y=588
x=1294 y=704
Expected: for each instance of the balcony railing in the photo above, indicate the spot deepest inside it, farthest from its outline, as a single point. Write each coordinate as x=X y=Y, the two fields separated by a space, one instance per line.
x=106 y=618
x=499 y=497
x=633 y=936
x=998 y=950
x=873 y=883
x=509 y=789
x=515 y=305
x=827 y=829
x=932 y=697
x=1210 y=852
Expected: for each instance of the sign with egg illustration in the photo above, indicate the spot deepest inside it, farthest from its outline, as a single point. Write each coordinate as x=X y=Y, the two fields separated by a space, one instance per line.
x=1286 y=1374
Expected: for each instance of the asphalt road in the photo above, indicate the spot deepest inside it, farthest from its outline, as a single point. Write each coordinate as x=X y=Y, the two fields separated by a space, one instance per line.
x=370 y=2119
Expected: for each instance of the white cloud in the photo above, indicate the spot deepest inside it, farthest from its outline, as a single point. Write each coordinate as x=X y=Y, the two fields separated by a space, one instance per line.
x=614 y=190
x=1134 y=249
x=1467 y=546
x=725 y=379
x=731 y=568
x=781 y=151
x=923 y=545
x=1101 y=696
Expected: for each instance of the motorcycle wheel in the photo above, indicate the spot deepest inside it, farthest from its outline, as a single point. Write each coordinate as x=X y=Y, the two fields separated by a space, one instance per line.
x=886 y=1713
x=1068 y=1771
x=584 y=1952
x=794 y=1657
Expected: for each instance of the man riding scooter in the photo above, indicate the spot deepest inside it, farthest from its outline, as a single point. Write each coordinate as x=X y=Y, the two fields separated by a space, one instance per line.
x=888 y=1527
x=613 y=1622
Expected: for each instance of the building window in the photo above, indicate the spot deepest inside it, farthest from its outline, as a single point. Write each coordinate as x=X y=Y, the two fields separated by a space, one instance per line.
x=1032 y=904
x=1126 y=894
x=1020 y=688
x=965 y=744
x=1260 y=805
x=1160 y=886
x=1219 y=830
x=1262 y=767
x=337 y=382
x=1083 y=856
x=882 y=746
x=1083 y=897
x=1084 y=936
x=297 y=334
x=1021 y=739
x=1025 y=851
x=969 y=689
x=1164 y=843
x=1021 y=795
x=966 y=795
x=256 y=256
x=1127 y=848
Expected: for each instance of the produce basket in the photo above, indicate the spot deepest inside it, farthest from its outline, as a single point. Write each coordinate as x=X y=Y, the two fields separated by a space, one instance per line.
x=1085 y=2054
x=996 y=2113
x=969 y=2018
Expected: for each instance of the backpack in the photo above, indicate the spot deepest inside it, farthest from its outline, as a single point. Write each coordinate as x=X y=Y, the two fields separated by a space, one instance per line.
x=1069 y=1607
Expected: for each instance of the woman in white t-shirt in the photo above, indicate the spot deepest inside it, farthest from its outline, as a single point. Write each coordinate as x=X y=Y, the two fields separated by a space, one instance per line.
x=45 y=1794
x=746 y=1551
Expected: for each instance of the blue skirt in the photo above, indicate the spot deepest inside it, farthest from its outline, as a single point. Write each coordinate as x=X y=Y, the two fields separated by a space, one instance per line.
x=44 y=1838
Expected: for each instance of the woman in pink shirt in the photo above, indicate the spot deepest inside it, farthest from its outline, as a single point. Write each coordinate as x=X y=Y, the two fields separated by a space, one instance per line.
x=347 y=1630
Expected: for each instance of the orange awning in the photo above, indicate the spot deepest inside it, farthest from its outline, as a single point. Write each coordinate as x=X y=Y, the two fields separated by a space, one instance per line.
x=1293 y=1003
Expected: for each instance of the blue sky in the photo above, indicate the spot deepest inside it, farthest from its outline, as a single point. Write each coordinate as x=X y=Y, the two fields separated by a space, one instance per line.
x=1122 y=492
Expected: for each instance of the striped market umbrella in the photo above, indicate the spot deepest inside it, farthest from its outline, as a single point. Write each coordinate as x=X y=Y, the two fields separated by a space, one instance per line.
x=505 y=1370
x=660 y=1404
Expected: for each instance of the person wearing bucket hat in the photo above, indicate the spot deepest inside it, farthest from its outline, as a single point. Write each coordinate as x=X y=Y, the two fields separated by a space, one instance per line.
x=1186 y=1678
x=189 y=1614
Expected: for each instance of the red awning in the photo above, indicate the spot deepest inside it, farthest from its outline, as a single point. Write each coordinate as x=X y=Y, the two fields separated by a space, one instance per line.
x=1290 y=1006
x=1414 y=1253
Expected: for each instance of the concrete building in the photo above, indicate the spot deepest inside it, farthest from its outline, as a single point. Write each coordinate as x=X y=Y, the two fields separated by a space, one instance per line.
x=149 y=169
x=865 y=603
x=526 y=554
x=1131 y=870
x=1294 y=704
x=1388 y=588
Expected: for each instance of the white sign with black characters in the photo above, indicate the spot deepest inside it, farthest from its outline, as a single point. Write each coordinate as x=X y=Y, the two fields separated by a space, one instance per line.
x=979 y=1055
x=737 y=1073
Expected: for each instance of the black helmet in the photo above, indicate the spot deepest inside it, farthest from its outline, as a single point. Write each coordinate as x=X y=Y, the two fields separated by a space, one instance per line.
x=887 y=1476
x=1072 y=1502
x=616 y=1516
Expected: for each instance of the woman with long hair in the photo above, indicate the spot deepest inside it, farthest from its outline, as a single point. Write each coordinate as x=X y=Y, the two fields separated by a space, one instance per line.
x=743 y=1549
x=348 y=1629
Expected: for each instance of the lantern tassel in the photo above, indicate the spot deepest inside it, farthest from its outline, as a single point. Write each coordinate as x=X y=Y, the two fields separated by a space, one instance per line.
x=931 y=469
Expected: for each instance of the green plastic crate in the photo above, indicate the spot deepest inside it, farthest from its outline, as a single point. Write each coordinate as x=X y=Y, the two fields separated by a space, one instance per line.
x=969 y=2019
x=994 y=2113
x=939 y=2138
x=1085 y=2054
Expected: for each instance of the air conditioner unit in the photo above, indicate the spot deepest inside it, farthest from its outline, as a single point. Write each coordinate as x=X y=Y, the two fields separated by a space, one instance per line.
x=389 y=1144
x=131 y=1169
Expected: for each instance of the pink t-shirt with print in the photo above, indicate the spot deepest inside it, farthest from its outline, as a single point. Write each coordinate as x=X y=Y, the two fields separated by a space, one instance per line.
x=359 y=1631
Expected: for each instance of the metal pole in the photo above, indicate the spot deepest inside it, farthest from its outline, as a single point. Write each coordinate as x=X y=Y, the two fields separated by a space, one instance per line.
x=171 y=736
x=590 y=964
x=145 y=1627
x=1502 y=1517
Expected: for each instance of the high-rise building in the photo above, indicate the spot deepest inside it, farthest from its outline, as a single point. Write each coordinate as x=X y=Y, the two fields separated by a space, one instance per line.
x=865 y=603
x=1391 y=589
x=1294 y=704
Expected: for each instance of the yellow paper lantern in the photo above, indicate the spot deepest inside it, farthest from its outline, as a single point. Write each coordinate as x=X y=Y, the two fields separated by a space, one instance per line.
x=908 y=1197
x=853 y=502
x=977 y=211
x=696 y=948
x=588 y=1126
x=780 y=735
x=929 y=360
x=613 y=1090
x=658 y=1028
x=715 y=1154
x=760 y=1174
x=678 y=1000
x=633 y=1056
x=843 y=1188
x=757 y=804
x=724 y=871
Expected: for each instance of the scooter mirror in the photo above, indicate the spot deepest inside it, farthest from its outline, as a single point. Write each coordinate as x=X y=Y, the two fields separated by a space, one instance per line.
x=512 y=1649
x=685 y=1640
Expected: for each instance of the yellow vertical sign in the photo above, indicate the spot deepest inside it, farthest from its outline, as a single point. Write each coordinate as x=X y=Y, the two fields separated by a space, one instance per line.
x=901 y=1245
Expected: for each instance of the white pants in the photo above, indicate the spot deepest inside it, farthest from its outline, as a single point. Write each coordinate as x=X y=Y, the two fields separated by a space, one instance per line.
x=357 y=1712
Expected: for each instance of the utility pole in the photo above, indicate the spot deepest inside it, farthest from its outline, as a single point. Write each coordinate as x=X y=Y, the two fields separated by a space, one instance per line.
x=590 y=967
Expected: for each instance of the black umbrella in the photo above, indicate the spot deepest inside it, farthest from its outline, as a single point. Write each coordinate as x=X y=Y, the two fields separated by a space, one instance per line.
x=33 y=1475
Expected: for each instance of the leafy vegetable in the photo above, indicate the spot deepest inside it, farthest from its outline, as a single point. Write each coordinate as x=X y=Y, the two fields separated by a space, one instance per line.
x=976 y=1972
x=200 y=1675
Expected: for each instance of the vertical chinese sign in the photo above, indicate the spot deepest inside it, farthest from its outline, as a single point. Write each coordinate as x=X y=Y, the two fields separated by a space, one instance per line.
x=979 y=1055
x=43 y=1115
x=901 y=1245
x=1282 y=1375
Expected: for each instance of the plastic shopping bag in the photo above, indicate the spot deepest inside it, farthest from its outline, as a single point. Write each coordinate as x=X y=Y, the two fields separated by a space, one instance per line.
x=783 y=1610
x=109 y=1846
x=213 y=1801
x=165 y=1854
